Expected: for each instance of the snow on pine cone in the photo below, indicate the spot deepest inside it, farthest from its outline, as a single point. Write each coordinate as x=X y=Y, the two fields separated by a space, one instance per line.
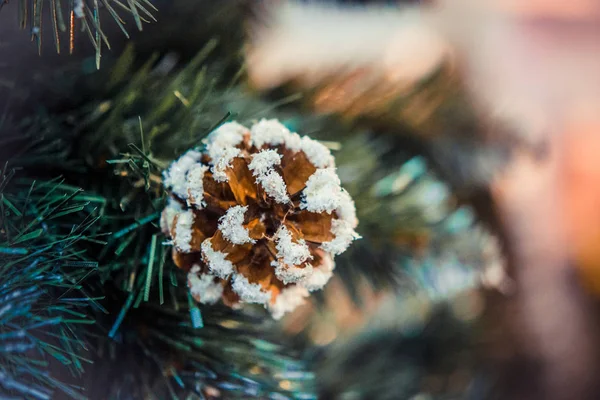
x=257 y=217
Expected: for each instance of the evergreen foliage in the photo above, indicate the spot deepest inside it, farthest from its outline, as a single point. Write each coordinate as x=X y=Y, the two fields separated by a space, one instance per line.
x=150 y=340
x=45 y=308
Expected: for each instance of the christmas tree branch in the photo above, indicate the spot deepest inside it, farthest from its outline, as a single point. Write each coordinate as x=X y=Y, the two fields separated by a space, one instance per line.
x=71 y=18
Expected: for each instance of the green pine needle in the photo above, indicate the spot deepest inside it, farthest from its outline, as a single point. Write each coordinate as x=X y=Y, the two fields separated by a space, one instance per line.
x=40 y=263
x=82 y=15
x=143 y=120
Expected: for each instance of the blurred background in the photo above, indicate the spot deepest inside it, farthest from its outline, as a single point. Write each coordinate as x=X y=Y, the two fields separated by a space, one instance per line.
x=468 y=133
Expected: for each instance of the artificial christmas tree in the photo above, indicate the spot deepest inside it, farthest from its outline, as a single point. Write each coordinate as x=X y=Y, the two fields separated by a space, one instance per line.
x=196 y=192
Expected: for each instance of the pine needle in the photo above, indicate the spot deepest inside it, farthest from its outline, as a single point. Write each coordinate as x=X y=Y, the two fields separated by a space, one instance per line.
x=33 y=281
x=80 y=12
x=151 y=259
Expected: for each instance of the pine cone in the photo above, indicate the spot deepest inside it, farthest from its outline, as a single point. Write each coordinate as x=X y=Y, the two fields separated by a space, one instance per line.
x=257 y=217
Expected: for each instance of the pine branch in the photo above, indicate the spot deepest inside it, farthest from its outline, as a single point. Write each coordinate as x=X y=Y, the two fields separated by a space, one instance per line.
x=42 y=269
x=143 y=311
x=70 y=18
x=404 y=208
x=146 y=117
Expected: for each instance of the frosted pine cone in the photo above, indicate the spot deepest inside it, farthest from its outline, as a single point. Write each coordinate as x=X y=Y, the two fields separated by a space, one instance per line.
x=257 y=217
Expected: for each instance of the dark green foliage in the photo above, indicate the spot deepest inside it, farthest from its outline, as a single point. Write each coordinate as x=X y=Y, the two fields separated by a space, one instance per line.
x=43 y=270
x=157 y=352
x=399 y=199
x=150 y=340
x=71 y=18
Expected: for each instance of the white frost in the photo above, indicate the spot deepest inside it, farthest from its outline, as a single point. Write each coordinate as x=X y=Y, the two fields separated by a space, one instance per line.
x=263 y=162
x=216 y=261
x=262 y=168
x=289 y=256
x=288 y=300
x=346 y=209
x=229 y=134
x=249 y=292
x=220 y=145
x=274 y=133
x=321 y=275
x=175 y=176
x=274 y=186
x=172 y=208
x=231 y=225
x=344 y=235
x=289 y=252
x=183 y=231
x=204 y=287
x=290 y=274
x=322 y=192
x=221 y=160
x=317 y=153
x=195 y=185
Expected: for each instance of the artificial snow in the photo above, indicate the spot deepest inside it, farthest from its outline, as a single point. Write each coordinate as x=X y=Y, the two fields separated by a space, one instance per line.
x=229 y=134
x=216 y=261
x=183 y=231
x=288 y=300
x=293 y=142
x=320 y=276
x=317 y=153
x=175 y=176
x=344 y=235
x=289 y=252
x=274 y=186
x=221 y=147
x=262 y=168
x=263 y=162
x=290 y=255
x=249 y=292
x=232 y=228
x=274 y=133
x=172 y=208
x=290 y=274
x=221 y=160
x=195 y=185
x=204 y=287
x=346 y=209
x=322 y=192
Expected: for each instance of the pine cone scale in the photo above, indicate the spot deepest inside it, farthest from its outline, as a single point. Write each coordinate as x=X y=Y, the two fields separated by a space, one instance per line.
x=296 y=171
